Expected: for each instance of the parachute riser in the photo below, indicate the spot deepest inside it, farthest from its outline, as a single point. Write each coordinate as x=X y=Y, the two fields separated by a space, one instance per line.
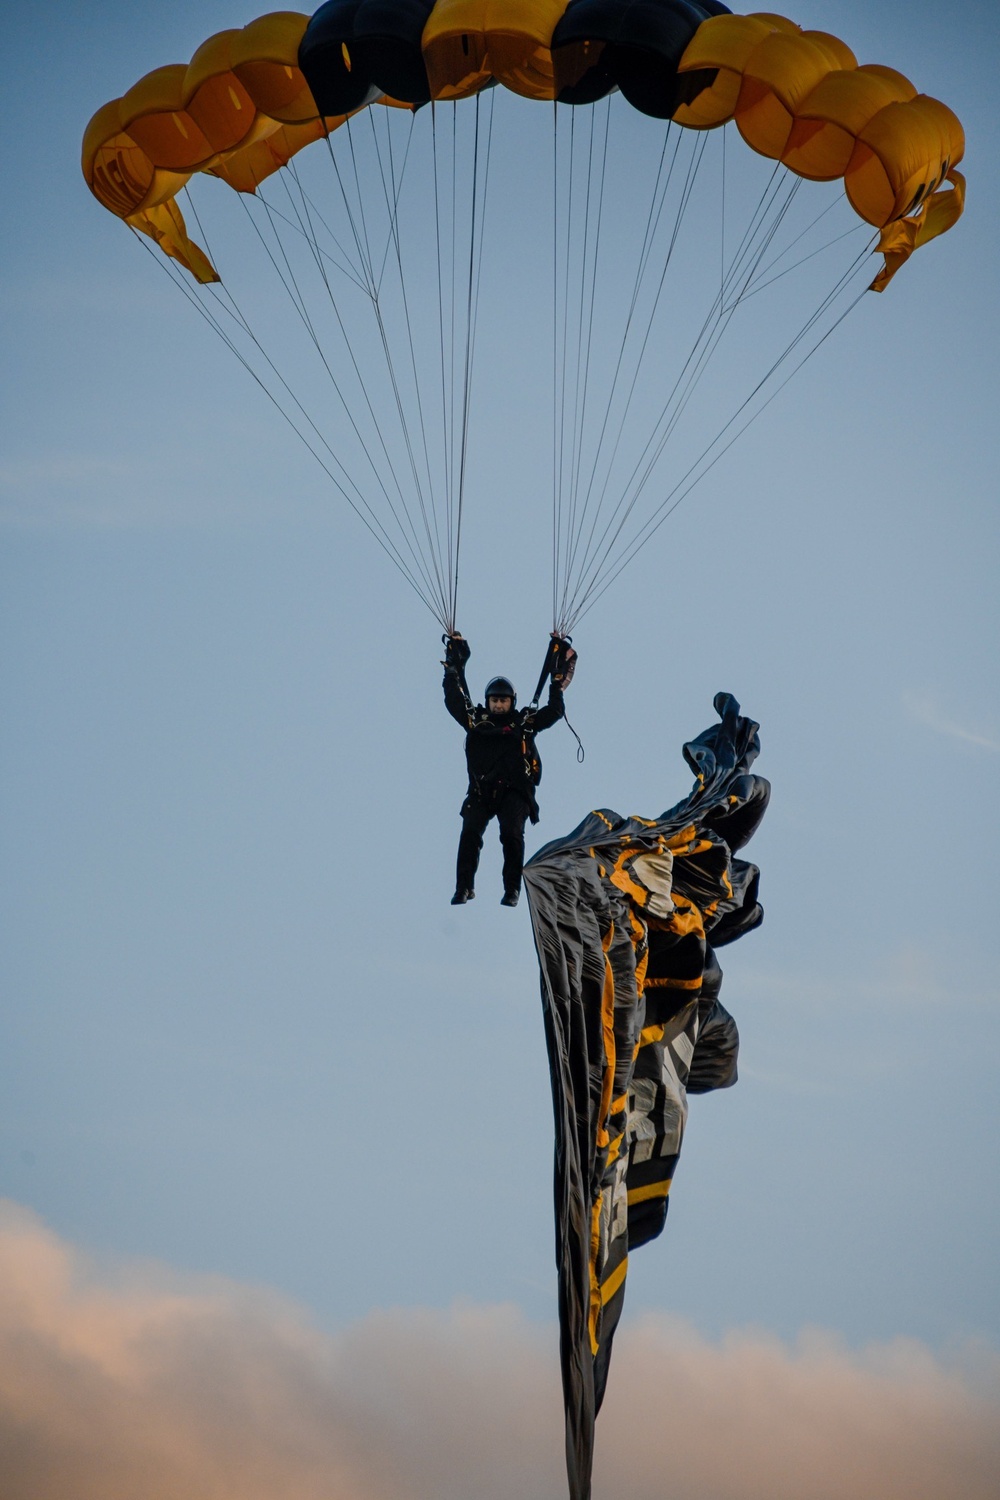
x=559 y=659
x=555 y=655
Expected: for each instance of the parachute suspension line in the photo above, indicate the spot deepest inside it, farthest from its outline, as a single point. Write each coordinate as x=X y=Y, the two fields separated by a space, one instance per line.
x=722 y=222
x=439 y=530
x=347 y=270
x=391 y=188
x=291 y=286
x=453 y=258
x=701 y=357
x=561 y=299
x=472 y=311
x=446 y=247
x=372 y=293
x=759 y=286
x=578 y=527
x=704 y=344
x=453 y=315
x=652 y=220
x=396 y=507
x=555 y=358
x=370 y=520
x=393 y=241
x=587 y=299
x=401 y=516
x=635 y=362
x=750 y=250
x=657 y=202
x=444 y=545
x=559 y=398
x=576 y=246
x=446 y=365
x=667 y=510
x=363 y=243
x=800 y=236
x=353 y=272
x=606 y=554
x=696 y=472
x=570 y=237
x=693 y=367
x=637 y=357
x=220 y=291
x=425 y=503
x=367 y=261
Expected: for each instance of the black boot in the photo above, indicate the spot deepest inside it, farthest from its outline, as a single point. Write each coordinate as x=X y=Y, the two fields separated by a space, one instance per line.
x=509 y=898
x=463 y=894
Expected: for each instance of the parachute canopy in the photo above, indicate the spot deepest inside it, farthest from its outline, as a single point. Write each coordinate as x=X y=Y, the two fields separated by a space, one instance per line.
x=627 y=915
x=383 y=236
x=250 y=99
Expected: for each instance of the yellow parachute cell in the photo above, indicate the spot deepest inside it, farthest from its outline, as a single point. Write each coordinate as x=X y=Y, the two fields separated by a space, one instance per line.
x=469 y=43
x=238 y=111
x=799 y=97
x=725 y=44
x=215 y=97
x=265 y=60
x=242 y=108
x=822 y=139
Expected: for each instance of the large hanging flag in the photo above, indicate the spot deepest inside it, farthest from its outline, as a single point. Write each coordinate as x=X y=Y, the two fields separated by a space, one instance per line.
x=627 y=915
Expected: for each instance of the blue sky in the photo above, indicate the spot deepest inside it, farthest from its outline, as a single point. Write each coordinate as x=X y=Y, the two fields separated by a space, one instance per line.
x=244 y=1035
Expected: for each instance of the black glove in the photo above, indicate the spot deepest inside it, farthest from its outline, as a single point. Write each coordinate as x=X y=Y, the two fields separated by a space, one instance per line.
x=456 y=651
x=564 y=664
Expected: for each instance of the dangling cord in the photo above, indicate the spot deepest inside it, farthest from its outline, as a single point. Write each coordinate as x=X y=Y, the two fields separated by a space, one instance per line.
x=581 y=753
x=551 y=658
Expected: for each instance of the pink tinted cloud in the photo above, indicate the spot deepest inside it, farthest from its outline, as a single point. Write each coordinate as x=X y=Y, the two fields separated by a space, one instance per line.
x=144 y=1386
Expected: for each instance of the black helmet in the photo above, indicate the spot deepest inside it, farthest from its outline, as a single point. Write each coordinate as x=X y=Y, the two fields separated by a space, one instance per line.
x=501 y=687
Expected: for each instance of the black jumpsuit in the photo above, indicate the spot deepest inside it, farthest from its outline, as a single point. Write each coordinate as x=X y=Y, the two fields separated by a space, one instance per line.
x=504 y=770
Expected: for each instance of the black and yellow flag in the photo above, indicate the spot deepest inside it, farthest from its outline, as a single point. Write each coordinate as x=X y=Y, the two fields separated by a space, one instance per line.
x=627 y=915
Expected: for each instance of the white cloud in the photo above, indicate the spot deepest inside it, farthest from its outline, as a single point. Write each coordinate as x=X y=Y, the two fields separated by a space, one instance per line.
x=924 y=710
x=143 y=1386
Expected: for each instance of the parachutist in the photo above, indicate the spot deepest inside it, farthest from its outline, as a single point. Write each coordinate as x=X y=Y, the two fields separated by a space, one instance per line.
x=503 y=763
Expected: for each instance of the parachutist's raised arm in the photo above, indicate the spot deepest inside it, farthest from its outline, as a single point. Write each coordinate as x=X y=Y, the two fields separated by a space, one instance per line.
x=456 y=692
x=553 y=711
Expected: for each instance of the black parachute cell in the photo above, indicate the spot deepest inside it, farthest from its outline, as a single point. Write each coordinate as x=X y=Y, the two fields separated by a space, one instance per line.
x=626 y=914
x=336 y=77
x=746 y=917
x=599 y=45
x=581 y=57
x=387 y=37
x=738 y=822
x=646 y=59
x=713 y=1063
